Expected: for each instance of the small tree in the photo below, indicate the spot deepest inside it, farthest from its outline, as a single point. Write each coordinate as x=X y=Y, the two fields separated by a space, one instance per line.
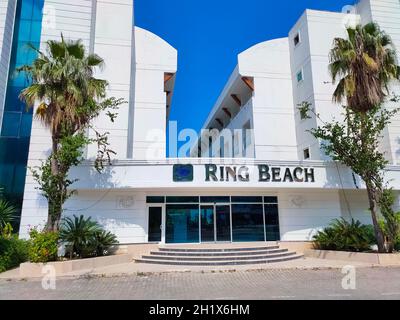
x=364 y=64
x=69 y=99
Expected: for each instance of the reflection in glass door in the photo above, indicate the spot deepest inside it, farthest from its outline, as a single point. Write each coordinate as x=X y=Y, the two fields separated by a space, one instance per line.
x=215 y=223
x=223 y=222
x=207 y=224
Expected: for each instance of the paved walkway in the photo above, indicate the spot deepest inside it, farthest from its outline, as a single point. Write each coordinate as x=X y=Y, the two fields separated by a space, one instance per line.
x=143 y=269
x=273 y=284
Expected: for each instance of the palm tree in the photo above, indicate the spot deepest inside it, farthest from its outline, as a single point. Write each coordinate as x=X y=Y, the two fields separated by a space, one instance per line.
x=363 y=66
x=64 y=87
x=7 y=213
x=78 y=233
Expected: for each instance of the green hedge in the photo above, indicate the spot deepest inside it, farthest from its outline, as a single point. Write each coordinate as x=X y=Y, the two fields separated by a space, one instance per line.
x=13 y=252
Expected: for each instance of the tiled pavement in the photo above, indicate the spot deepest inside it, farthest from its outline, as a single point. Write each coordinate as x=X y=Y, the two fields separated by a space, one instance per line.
x=372 y=283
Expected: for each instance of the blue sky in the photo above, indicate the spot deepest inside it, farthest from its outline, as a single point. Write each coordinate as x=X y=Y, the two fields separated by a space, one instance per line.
x=209 y=34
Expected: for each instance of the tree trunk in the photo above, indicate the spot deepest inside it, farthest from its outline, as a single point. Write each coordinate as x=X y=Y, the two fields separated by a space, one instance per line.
x=54 y=209
x=373 y=208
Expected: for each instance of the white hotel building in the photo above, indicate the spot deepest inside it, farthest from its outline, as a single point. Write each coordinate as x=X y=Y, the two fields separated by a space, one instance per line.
x=284 y=189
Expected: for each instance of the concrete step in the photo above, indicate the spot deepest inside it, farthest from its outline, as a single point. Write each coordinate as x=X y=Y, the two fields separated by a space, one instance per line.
x=206 y=250
x=221 y=263
x=223 y=258
x=217 y=254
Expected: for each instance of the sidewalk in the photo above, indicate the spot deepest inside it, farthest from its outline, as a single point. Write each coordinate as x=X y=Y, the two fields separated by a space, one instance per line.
x=137 y=269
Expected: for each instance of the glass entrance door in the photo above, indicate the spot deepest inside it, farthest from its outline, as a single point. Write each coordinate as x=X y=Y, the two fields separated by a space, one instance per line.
x=155 y=224
x=207 y=224
x=223 y=222
x=215 y=223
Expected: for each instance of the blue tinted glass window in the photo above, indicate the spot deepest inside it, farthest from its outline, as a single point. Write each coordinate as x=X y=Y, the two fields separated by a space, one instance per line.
x=18 y=80
x=37 y=10
x=215 y=199
x=24 y=32
x=247 y=199
x=271 y=199
x=272 y=222
x=13 y=103
x=182 y=224
x=247 y=222
x=11 y=122
x=182 y=199
x=26 y=9
x=155 y=199
x=36 y=28
x=26 y=125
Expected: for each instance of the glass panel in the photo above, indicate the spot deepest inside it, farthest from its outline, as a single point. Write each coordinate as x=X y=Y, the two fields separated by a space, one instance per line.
x=11 y=122
x=182 y=224
x=155 y=200
x=215 y=199
x=272 y=222
x=271 y=199
x=247 y=199
x=207 y=223
x=13 y=102
x=182 y=199
x=223 y=216
x=26 y=125
x=155 y=221
x=247 y=222
x=26 y=9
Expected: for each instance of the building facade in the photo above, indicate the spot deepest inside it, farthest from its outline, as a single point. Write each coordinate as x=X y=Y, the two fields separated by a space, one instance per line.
x=271 y=182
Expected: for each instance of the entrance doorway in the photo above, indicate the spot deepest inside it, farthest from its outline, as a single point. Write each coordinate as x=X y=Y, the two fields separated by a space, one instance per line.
x=215 y=223
x=155 y=224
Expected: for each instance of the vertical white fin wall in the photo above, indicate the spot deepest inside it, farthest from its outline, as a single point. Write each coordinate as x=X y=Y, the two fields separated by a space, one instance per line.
x=387 y=14
x=114 y=43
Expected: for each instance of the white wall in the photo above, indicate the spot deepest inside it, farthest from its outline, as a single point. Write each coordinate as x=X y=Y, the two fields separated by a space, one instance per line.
x=273 y=115
x=154 y=58
x=7 y=16
x=317 y=31
x=387 y=14
x=302 y=214
x=114 y=43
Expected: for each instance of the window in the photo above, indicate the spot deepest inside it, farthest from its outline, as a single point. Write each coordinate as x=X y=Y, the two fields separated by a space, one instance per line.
x=155 y=199
x=306 y=154
x=300 y=76
x=247 y=222
x=296 y=39
x=182 y=223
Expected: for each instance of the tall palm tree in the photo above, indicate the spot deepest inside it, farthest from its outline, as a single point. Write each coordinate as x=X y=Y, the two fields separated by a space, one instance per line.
x=363 y=66
x=63 y=85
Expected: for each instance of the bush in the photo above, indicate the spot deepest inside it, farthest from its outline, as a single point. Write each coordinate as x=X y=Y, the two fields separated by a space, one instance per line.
x=397 y=244
x=102 y=242
x=43 y=246
x=85 y=238
x=342 y=235
x=13 y=252
x=7 y=213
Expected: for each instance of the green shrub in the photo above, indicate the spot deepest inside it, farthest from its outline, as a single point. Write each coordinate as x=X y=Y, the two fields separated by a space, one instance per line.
x=7 y=213
x=397 y=244
x=13 y=252
x=85 y=238
x=342 y=235
x=43 y=246
x=102 y=241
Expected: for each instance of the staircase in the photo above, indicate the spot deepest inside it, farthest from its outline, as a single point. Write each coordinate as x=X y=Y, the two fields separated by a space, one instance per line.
x=224 y=256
